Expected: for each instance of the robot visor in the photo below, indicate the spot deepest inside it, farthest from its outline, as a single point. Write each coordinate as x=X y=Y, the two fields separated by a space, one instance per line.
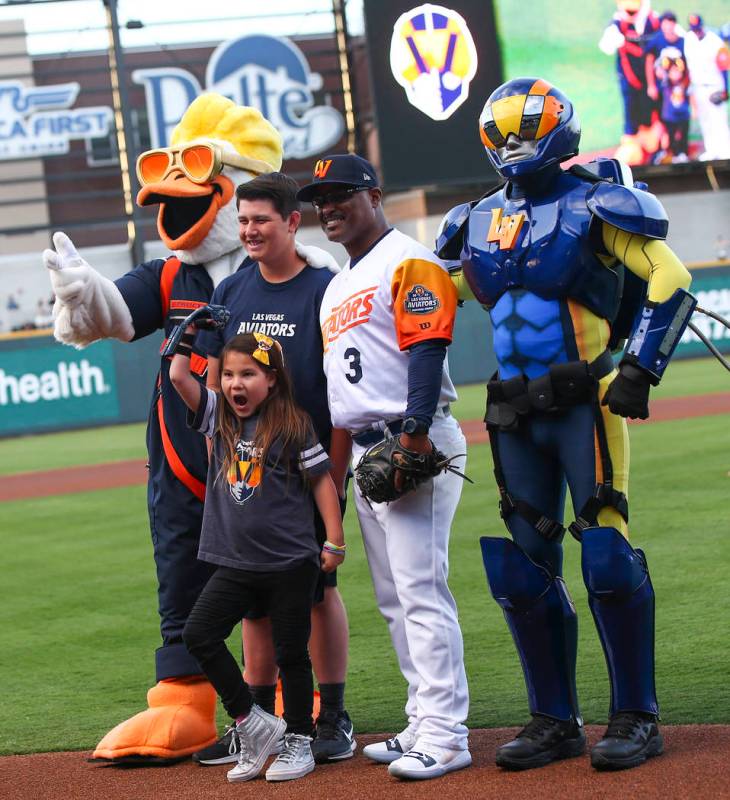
x=528 y=116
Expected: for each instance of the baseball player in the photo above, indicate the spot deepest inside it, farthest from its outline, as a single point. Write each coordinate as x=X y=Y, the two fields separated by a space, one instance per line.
x=708 y=61
x=386 y=320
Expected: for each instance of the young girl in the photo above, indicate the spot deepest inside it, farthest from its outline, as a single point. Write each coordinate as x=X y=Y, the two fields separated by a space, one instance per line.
x=266 y=470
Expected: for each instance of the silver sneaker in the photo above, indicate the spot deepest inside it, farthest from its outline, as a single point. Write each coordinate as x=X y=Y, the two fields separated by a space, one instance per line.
x=391 y=749
x=257 y=735
x=295 y=761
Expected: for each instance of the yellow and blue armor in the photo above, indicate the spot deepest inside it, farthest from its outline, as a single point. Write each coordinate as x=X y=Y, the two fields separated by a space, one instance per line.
x=561 y=259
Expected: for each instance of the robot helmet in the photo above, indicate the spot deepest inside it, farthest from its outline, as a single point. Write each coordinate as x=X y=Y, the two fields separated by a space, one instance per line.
x=535 y=112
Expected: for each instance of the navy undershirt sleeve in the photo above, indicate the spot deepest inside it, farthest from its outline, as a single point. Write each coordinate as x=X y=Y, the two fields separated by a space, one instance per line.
x=425 y=372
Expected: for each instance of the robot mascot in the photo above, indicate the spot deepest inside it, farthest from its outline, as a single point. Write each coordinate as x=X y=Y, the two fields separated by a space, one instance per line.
x=558 y=258
x=216 y=146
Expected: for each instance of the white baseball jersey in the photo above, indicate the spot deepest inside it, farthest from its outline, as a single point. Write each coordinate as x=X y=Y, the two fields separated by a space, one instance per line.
x=394 y=296
x=704 y=59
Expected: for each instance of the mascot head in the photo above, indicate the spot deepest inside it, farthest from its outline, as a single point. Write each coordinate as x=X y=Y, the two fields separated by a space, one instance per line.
x=527 y=125
x=216 y=146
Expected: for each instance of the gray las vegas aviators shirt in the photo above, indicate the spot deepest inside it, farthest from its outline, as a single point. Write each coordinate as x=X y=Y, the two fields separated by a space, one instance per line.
x=257 y=519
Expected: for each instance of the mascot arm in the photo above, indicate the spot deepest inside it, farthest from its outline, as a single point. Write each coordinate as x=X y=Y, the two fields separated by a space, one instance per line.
x=611 y=40
x=650 y=259
x=316 y=257
x=462 y=286
x=668 y=307
x=449 y=245
x=88 y=306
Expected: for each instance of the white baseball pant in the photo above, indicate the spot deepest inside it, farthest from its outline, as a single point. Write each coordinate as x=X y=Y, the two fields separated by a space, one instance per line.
x=406 y=543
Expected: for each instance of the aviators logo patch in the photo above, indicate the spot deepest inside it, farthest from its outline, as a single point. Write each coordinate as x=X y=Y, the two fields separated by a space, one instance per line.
x=433 y=57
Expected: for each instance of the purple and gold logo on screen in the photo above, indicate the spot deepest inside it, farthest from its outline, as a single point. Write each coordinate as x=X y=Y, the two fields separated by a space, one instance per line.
x=433 y=57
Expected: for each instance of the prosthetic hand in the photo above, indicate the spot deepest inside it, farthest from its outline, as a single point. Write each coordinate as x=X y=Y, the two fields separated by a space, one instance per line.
x=179 y=721
x=628 y=393
x=88 y=306
x=206 y=318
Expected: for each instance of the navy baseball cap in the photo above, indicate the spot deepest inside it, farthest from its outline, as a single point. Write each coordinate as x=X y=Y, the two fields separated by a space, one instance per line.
x=668 y=15
x=695 y=22
x=339 y=170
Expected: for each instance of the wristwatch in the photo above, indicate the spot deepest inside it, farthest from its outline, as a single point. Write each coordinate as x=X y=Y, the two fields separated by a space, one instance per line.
x=412 y=426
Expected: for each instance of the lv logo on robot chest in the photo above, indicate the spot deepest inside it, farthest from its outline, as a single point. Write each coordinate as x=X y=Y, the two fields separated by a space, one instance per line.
x=505 y=229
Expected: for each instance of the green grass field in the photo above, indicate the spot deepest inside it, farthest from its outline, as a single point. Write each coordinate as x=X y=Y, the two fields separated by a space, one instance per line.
x=78 y=621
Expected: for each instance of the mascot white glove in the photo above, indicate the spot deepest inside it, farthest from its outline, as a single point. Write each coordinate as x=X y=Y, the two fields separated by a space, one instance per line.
x=611 y=40
x=316 y=257
x=88 y=306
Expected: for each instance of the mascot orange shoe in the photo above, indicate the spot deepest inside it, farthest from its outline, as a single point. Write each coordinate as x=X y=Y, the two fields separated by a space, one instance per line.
x=180 y=721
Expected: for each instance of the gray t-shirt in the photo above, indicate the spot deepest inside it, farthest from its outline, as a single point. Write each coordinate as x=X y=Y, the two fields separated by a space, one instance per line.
x=254 y=519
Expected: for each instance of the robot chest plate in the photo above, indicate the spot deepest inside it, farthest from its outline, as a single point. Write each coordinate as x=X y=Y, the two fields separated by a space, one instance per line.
x=537 y=247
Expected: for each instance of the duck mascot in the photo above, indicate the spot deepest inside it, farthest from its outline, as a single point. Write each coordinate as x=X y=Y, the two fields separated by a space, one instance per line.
x=216 y=146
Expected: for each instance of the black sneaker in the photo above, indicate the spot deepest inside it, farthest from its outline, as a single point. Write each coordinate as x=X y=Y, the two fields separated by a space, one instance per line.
x=334 y=739
x=542 y=741
x=631 y=738
x=224 y=751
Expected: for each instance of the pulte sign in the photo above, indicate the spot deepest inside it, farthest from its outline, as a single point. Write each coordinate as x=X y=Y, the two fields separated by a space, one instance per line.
x=265 y=72
x=39 y=121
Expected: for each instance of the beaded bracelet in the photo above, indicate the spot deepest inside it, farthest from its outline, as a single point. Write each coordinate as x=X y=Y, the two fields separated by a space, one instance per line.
x=335 y=549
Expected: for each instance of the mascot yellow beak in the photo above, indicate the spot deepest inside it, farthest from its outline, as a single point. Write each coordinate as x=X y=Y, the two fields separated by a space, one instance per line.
x=187 y=179
x=187 y=209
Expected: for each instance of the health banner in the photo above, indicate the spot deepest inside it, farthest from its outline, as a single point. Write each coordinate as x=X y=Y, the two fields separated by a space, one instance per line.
x=46 y=386
x=711 y=287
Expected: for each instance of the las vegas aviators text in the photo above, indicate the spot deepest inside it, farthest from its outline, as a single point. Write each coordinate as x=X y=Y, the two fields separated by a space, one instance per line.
x=351 y=312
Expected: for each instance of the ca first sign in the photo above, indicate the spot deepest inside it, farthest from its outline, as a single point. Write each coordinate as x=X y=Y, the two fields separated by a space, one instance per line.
x=39 y=121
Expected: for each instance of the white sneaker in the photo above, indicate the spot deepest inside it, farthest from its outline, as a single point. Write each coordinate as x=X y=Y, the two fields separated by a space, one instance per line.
x=427 y=761
x=257 y=735
x=295 y=761
x=391 y=749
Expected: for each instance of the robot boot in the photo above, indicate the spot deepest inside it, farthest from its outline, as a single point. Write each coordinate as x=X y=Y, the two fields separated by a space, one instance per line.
x=544 y=626
x=621 y=598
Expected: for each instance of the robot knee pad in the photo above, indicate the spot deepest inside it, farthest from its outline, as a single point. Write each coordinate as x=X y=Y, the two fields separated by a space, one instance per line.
x=612 y=569
x=543 y=623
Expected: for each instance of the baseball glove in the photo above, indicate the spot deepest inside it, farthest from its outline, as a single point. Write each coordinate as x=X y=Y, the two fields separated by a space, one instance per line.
x=718 y=97
x=376 y=471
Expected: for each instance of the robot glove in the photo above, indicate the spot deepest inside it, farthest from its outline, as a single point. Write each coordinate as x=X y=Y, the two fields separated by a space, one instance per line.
x=628 y=393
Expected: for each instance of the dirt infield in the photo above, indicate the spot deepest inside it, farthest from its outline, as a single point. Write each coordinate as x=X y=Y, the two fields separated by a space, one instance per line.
x=132 y=473
x=694 y=765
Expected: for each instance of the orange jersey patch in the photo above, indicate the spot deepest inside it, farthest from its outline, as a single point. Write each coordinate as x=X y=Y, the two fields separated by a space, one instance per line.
x=424 y=302
x=353 y=311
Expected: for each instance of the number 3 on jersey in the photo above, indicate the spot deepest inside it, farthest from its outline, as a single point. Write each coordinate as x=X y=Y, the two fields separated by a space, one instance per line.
x=352 y=354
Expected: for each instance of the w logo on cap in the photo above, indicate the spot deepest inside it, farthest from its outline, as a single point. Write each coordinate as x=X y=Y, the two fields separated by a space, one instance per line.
x=321 y=168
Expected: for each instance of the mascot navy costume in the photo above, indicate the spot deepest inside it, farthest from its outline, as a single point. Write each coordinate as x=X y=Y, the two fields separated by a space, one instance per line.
x=554 y=255
x=216 y=146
